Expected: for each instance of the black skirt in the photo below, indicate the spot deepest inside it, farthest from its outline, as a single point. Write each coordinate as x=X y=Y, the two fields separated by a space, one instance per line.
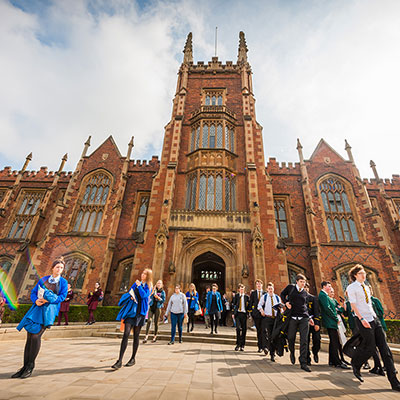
x=138 y=320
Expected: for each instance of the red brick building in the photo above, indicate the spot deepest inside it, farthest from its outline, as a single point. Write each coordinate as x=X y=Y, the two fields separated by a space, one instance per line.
x=211 y=210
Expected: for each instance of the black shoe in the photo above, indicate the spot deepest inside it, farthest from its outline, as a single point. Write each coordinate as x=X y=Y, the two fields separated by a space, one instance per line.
x=259 y=350
x=171 y=343
x=87 y=323
x=180 y=340
x=305 y=367
x=265 y=351
x=357 y=373
x=216 y=332
x=366 y=366
x=19 y=373
x=130 y=362
x=272 y=358
x=292 y=358
x=191 y=329
x=396 y=386
x=343 y=366
x=117 y=365
x=316 y=358
x=345 y=362
x=237 y=348
x=28 y=372
x=309 y=363
x=242 y=349
x=211 y=332
x=377 y=371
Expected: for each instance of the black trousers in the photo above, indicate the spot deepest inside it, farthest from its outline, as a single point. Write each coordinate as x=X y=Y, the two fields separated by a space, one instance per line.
x=334 y=345
x=261 y=335
x=316 y=342
x=374 y=337
x=241 y=328
x=302 y=326
x=268 y=326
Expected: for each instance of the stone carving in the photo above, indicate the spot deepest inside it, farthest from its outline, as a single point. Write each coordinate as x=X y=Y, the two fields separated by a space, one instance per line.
x=257 y=238
x=162 y=234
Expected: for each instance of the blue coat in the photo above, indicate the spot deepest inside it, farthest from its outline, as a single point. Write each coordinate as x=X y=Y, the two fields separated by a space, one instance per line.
x=39 y=316
x=209 y=300
x=129 y=307
x=160 y=303
x=193 y=304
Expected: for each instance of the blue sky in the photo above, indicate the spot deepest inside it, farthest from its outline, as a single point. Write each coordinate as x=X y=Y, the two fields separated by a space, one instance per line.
x=78 y=68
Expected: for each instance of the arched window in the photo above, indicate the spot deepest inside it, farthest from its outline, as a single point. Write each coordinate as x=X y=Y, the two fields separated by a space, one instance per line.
x=212 y=136
x=126 y=268
x=293 y=271
x=5 y=263
x=281 y=218
x=343 y=275
x=28 y=205
x=144 y=199
x=219 y=136
x=75 y=269
x=92 y=203
x=339 y=215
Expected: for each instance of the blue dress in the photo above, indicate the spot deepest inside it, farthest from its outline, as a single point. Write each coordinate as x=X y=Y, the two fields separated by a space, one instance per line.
x=38 y=317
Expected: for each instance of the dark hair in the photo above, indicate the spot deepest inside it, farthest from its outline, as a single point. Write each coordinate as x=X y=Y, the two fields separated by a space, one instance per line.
x=324 y=283
x=270 y=284
x=307 y=286
x=354 y=271
x=300 y=276
x=208 y=287
x=58 y=260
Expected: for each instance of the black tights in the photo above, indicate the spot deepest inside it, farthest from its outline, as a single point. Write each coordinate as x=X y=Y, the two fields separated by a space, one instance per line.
x=124 y=342
x=214 y=318
x=32 y=347
x=191 y=320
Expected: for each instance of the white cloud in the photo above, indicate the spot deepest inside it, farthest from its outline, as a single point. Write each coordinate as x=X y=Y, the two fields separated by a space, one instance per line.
x=321 y=69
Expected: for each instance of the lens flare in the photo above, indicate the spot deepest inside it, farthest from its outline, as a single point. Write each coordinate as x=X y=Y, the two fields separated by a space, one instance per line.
x=7 y=290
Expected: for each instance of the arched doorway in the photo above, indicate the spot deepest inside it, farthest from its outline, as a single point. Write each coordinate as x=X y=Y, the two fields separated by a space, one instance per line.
x=208 y=268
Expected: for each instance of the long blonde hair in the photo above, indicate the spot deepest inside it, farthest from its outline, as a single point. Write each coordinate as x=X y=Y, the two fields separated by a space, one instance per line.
x=194 y=288
x=149 y=277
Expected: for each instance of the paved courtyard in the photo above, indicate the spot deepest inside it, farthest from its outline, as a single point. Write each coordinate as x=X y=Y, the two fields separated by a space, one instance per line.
x=79 y=368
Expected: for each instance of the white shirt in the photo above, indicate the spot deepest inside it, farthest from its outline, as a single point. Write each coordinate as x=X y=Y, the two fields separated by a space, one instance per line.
x=357 y=296
x=265 y=304
x=298 y=288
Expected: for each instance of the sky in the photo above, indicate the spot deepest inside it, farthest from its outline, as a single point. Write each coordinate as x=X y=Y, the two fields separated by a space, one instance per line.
x=321 y=69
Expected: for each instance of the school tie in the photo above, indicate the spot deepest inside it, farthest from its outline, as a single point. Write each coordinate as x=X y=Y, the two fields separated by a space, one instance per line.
x=258 y=295
x=240 y=304
x=272 y=306
x=365 y=292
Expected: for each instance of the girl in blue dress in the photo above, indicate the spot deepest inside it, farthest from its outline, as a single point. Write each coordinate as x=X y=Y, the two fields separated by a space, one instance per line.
x=135 y=304
x=46 y=296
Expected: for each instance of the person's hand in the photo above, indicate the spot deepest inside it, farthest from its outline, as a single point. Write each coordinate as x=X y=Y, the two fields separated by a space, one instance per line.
x=137 y=282
x=311 y=322
x=288 y=305
x=316 y=328
x=366 y=324
x=40 y=302
x=262 y=313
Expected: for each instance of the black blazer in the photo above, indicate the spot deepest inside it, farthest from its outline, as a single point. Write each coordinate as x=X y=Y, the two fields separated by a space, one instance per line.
x=254 y=304
x=313 y=309
x=235 y=303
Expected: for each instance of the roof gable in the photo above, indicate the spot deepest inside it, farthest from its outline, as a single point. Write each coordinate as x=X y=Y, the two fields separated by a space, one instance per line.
x=324 y=150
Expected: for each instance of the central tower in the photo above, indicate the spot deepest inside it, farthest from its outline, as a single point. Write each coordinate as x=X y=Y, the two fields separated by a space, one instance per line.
x=211 y=211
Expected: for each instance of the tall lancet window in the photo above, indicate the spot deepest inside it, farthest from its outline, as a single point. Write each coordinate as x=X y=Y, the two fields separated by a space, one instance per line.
x=92 y=203
x=339 y=216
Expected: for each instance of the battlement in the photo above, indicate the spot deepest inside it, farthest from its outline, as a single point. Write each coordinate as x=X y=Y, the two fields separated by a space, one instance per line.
x=393 y=183
x=42 y=175
x=214 y=65
x=140 y=165
x=275 y=167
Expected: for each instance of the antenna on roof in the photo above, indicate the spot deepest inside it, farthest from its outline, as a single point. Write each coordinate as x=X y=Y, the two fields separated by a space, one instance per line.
x=216 y=36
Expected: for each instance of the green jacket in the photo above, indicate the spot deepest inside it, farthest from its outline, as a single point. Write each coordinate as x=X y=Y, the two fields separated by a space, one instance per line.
x=328 y=311
x=350 y=316
x=378 y=308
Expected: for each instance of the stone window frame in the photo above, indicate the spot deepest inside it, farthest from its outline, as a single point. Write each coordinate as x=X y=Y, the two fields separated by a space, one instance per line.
x=197 y=139
x=127 y=261
x=85 y=259
x=296 y=270
x=349 y=191
x=25 y=217
x=287 y=206
x=139 y=198
x=6 y=258
x=219 y=94
x=193 y=186
x=3 y=192
x=396 y=202
x=372 y=278
x=91 y=208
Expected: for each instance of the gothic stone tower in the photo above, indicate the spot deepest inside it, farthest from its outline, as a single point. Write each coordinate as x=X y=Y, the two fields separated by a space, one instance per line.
x=211 y=211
